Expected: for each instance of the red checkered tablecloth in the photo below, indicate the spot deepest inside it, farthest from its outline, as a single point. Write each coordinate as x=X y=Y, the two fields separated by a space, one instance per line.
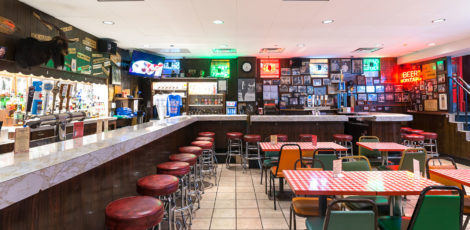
x=387 y=183
x=382 y=146
x=458 y=175
x=305 y=146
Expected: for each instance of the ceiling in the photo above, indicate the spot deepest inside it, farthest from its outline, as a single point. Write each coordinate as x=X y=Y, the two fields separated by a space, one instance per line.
x=401 y=26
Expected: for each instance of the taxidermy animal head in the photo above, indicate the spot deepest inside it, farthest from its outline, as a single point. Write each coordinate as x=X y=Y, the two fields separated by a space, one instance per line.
x=32 y=52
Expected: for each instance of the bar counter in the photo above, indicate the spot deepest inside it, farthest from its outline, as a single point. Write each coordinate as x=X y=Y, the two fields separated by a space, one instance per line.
x=91 y=171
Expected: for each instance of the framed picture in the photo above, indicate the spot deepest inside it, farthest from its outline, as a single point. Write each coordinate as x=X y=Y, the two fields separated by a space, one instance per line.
x=319 y=90
x=346 y=65
x=333 y=89
x=370 y=89
x=389 y=97
x=304 y=69
x=422 y=86
x=376 y=81
x=293 y=101
x=302 y=89
x=297 y=80
x=285 y=71
x=283 y=104
x=303 y=100
x=246 y=90
x=441 y=88
x=361 y=80
x=326 y=81
x=356 y=66
x=442 y=101
x=319 y=69
x=259 y=88
x=381 y=98
x=361 y=89
x=398 y=97
x=372 y=97
x=286 y=80
x=435 y=95
x=369 y=81
x=270 y=92
x=335 y=77
x=3 y=52
x=295 y=71
x=440 y=66
x=309 y=89
x=434 y=88
x=389 y=88
x=379 y=89
x=284 y=88
x=292 y=89
x=362 y=97
x=441 y=78
x=317 y=82
x=406 y=97
x=307 y=80
x=276 y=82
x=366 y=108
x=398 y=88
x=335 y=65
x=267 y=82
x=429 y=87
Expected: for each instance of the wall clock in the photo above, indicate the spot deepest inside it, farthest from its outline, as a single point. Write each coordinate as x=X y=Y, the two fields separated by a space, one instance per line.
x=247 y=66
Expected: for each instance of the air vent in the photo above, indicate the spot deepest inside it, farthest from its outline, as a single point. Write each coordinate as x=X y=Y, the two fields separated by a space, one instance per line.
x=224 y=51
x=367 y=50
x=271 y=50
x=172 y=51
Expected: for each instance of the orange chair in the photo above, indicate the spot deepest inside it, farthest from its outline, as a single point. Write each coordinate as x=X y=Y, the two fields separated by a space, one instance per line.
x=287 y=159
x=445 y=181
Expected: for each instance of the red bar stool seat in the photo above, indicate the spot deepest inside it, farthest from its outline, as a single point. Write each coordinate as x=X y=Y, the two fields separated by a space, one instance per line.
x=281 y=137
x=184 y=157
x=157 y=185
x=134 y=213
x=415 y=131
x=405 y=129
x=252 y=138
x=342 y=137
x=191 y=149
x=429 y=135
x=205 y=139
x=346 y=141
x=305 y=137
x=175 y=168
x=207 y=134
x=234 y=136
x=205 y=145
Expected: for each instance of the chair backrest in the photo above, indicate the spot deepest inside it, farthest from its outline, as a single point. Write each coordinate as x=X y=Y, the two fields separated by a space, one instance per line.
x=287 y=158
x=308 y=164
x=369 y=153
x=406 y=161
x=327 y=157
x=355 y=163
x=351 y=220
x=438 y=211
x=441 y=179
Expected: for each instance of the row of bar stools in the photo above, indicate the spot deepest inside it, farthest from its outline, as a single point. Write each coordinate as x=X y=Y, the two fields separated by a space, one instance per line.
x=163 y=187
x=251 y=144
x=234 y=146
x=208 y=165
x=344 y=140
x=136 y=213
x=211 y=135
x=180 y=170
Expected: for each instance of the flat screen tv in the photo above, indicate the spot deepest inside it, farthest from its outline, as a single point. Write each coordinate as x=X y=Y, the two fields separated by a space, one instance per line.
x=146 y=65
x=171 y=66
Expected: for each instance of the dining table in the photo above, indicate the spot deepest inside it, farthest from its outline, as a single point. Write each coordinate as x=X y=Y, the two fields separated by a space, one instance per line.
x=362 y=183
x=383 y=148
x=461 y=176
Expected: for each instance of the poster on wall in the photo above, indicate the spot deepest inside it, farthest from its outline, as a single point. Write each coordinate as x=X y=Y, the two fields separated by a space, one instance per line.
x=246 y=90
x=443 y=101
x=429 y=71
x=357 y=66
x=319 y=67
x=430 y=105
x=115 y=75
x=269 y=68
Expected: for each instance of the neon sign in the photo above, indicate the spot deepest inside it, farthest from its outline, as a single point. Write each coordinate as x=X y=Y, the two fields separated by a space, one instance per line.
x=411 y=76
x=269 y=68
x=220 y=68
x=371 y=64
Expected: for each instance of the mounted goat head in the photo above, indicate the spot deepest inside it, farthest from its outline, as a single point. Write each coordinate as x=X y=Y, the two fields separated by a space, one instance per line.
x=32 y=52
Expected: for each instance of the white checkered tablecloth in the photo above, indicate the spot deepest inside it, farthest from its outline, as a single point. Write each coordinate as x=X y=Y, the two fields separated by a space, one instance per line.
x=305 y=146
x=387 y=183
x=458 y=175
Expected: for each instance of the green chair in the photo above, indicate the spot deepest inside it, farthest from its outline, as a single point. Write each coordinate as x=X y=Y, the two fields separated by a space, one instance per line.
x=326 y=156
x=406 y=161
x=432 y=212
x=361 y=163
x=270 y=159
x=369 y=153
x=342 y=220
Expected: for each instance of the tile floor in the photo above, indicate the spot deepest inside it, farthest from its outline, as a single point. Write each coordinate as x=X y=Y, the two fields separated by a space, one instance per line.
x=239 y=202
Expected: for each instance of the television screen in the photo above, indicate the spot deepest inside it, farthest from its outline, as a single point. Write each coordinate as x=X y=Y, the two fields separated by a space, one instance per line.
x=170 y=66
x=146 y=65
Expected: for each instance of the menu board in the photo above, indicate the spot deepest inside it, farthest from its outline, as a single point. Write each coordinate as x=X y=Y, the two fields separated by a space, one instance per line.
x=429 y=71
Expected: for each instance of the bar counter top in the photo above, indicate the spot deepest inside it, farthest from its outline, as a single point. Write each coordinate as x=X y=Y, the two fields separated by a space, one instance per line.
x=25 y=174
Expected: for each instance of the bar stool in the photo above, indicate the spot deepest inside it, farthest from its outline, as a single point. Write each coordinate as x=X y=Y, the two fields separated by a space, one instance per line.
x=282 y=137
x=305 y=137
x=136 y=212
x=198 y=152
x=180 y=170
x=213 y=145
x=191 y=159
x=207 y=159
x=164 y=188
x=430 y=141
x=414 y=140
x=207 y=134
x=346 y=141
x=405 y=129
x=234 y=146
x=251 y=144
x=415 y=131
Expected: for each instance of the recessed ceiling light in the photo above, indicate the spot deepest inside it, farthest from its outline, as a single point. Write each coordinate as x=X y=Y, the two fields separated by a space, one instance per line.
x=146 y=46
x=108 y=22
x=328 y=21
x=432 y=44
x=439 y=20
x=301 y=45
x=218 y=22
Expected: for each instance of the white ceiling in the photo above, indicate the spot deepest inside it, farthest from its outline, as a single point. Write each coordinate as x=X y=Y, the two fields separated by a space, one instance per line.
x=254 y=24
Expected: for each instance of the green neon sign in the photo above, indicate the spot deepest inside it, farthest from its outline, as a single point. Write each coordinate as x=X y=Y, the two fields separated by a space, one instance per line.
x=220 y=68
x=371 y=64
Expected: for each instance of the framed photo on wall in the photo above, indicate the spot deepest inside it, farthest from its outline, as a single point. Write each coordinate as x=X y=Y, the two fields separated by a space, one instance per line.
x=335 y=65
x=442 y=101
x=286 y=80
x=381 y=98
x=285 y=71
x=317 y=82
x=361 y=80
x=326 y=81
x=361 y=89
x=309 y=89
x=335 y=78
x=357 y=66
x=441 y=78
x=246 y=90
x=389 y=97
x=297 y=80
x=307 y=80
x=346 y=65
x=441 y=88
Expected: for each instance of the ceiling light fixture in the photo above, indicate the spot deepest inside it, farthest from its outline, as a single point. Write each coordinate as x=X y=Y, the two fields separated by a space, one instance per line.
x=439 y=20
x=328 y=21
x=432 y=44
x=146 y=46
x=218 y=22
x=108 y=22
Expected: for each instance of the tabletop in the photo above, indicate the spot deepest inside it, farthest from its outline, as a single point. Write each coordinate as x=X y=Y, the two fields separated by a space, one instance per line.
x=382 y=146
x=385 y=183
x=305 y=146
x=459 y=175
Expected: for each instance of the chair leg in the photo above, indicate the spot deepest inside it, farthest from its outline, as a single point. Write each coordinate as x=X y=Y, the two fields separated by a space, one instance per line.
x=266 y=181
x=274 y=191
x=466 y=222
x=262 y=171
x=295 y=221
x=290 y=218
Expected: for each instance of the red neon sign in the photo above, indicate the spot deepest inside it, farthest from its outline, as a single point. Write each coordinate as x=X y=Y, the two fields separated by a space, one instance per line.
x=270 y=68
x=411 y=76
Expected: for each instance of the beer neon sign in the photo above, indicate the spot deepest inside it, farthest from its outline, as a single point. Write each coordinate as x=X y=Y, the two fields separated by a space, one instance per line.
x=270 y=68
x=411 y=76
